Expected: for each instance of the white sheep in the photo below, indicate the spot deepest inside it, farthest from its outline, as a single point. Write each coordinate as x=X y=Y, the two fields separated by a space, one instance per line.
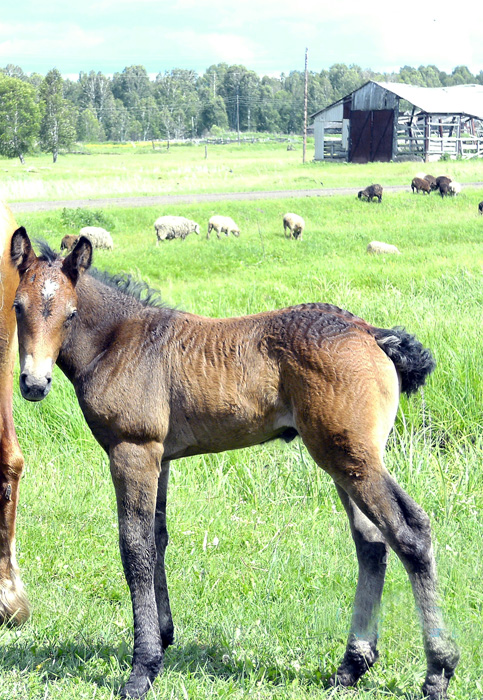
x=383 y=248
x=454 y=188
x=169 y=227
x=98 y=236
x=222 y=224
x=295 y=224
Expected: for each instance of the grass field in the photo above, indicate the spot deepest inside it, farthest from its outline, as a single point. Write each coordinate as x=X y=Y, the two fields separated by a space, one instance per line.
x=261 y=565
x=115 y=170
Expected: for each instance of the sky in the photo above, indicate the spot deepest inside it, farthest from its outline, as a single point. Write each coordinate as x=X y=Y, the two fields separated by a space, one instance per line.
x=267 y=36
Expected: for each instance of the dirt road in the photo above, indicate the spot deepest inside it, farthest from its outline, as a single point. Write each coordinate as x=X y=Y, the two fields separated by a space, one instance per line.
x=173 y=199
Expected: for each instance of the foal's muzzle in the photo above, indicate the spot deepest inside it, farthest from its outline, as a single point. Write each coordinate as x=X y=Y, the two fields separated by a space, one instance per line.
x=34 y=388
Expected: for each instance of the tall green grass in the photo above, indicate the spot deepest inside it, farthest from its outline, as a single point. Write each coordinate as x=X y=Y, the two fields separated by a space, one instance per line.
x=261 y=565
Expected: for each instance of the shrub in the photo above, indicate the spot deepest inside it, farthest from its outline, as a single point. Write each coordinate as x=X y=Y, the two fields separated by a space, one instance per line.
x=77 y=218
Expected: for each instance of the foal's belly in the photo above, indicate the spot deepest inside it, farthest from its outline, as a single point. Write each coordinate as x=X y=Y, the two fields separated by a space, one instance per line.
x=230 y=429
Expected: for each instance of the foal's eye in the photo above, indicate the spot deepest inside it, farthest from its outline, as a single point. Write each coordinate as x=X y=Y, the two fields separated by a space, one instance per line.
x=18 y=308
x=71 y=316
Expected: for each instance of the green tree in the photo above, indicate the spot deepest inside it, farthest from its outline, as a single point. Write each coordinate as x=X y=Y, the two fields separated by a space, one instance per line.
x=131 y=85
x=57 y=128
x=19 y=118
x=213 y=112
x=88 y=127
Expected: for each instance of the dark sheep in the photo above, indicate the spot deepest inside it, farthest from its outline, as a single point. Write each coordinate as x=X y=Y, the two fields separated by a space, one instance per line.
x=432 y=181
x=370 y=192
x=68 y=242
x=442 y=183
x=442 y=178
x=480 y=207
x=420 y=185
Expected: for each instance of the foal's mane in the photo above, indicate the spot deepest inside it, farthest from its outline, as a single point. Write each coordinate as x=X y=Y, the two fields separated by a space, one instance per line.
x=122 y=282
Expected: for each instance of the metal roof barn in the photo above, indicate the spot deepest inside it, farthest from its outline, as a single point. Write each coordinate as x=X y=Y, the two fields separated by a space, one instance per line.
x=395 y=121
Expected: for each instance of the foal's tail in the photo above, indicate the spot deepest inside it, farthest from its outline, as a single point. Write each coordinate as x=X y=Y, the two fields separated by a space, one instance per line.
x=413 y=362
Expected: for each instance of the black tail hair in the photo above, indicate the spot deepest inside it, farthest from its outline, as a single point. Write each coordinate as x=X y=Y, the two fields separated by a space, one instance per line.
x=413 y=362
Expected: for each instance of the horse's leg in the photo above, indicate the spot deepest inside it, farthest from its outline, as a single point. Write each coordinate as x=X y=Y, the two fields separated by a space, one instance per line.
x=14 y=606
x=372 y=552
x=346 y=434
x=135 y=471
x=161 y=536
x=408 y=531
x=406 y=528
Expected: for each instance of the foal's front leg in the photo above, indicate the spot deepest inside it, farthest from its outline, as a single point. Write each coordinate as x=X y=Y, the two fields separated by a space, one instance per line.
x=135 y=471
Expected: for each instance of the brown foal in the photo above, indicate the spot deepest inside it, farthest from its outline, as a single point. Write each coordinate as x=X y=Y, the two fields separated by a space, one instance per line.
x=156 y=384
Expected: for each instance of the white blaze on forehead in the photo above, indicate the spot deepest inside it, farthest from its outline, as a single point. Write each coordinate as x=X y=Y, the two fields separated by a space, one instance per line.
x=49 y=289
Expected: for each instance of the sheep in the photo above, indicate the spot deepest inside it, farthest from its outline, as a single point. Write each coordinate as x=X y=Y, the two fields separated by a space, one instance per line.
x=295 y=224
x=169 y=227
x=442 y=179
x=444 y=189
x=419 y=184
x=432 y=181
x=454 y=188
x=480 y=207
x=68 y=242
x=379 y=247
x=222 y=224
x=98 y=236
x=371 y=192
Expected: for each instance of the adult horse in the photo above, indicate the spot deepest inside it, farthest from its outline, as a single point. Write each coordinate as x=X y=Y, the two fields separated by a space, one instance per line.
x=13 y=601
x=157 y=384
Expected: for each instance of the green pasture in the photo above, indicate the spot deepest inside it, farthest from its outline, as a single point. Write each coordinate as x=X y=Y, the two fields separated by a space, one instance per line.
x=261 y=566
x=117 y=170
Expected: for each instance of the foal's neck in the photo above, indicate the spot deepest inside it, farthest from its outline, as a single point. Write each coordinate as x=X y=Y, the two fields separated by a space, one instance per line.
x=100 y=311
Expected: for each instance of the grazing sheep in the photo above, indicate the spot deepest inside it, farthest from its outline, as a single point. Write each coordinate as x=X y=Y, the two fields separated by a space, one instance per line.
x=442 y=179
x=98 y=236
x=379 y=247
x=432 y=181
x=444 y=189
x=69 y=241
x=222 y=224
x=169 y=227
x=295 y=224
x=454 y=188
x=420 y=185
x=480 y=207
x=370 y=192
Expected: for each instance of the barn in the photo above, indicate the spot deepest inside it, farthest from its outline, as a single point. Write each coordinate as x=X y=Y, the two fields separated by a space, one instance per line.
x=395 y=121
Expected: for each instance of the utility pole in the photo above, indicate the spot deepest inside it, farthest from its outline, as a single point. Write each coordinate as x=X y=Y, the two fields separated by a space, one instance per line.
x=305 y=104
x=237 y=114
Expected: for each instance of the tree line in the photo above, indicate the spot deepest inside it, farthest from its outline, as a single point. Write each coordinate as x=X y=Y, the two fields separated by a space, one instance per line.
x=50 y=113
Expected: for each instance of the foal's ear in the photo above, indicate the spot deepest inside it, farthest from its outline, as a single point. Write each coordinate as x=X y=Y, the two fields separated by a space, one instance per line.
x=21 y=251
x=79 y=260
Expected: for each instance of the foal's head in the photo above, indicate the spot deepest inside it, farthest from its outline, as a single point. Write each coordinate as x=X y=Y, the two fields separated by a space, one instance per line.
x=45 y=305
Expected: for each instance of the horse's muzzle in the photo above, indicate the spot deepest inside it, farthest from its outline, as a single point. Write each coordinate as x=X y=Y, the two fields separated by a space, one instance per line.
x=34 y=388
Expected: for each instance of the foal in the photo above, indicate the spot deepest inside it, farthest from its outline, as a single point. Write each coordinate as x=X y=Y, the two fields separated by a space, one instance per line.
x=156 y=384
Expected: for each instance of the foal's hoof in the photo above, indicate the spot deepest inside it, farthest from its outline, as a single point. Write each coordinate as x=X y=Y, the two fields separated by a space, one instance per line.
x=435 y=688
x=136 y=687
x=357 y=660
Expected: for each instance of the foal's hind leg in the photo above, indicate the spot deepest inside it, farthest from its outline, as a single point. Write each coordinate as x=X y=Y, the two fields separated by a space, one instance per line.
x=372 y=552
x=161 y=536
x=135 y=472
x=406 y=528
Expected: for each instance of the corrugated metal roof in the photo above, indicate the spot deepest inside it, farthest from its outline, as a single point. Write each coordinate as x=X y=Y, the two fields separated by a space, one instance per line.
x=457 y=99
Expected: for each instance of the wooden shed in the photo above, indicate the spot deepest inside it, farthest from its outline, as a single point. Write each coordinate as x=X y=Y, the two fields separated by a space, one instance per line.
x=396 y=121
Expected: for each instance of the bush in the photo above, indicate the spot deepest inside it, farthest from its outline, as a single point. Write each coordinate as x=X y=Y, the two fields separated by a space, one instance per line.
x=77 y=218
